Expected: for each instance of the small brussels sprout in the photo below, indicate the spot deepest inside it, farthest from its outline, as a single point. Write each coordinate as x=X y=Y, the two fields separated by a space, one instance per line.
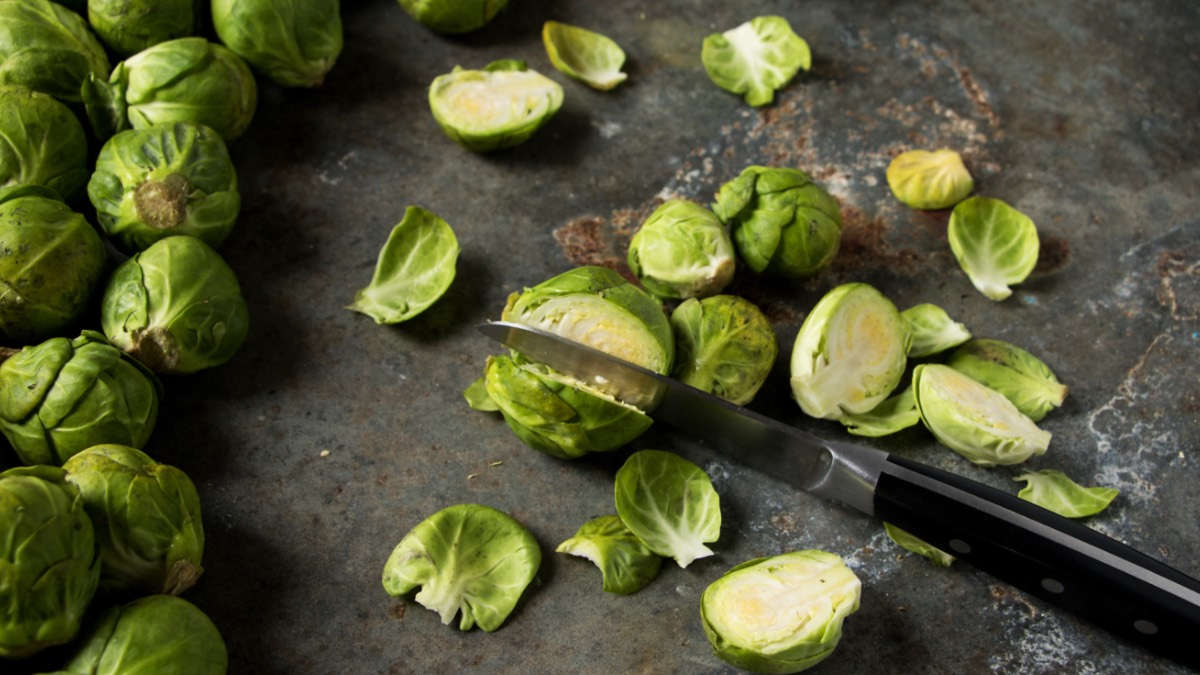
x=756 y=58
x=1022 y=377
x=164 y=180
x=176 y=306
x=849 y=354
x=153 y=634
x=466 y=558
x=48 y=563
x=48 y=48
x=147 y=518
x=669 y=503
x=130 y=26
x=185 y=80
x=43 y=144
x=1052 y=489
x=453 y=16
x=782 y=222
x=585 y=55
x=682 y=251
x=724 y=345
x=995 y=244
x=626 y=564
x=292 y=42
x=921 y=547
x=780 y=614
x=973 y=420
x=931 y=330
x=53 y=264
x=497 y=107
x=894 y=414
x=929 y=180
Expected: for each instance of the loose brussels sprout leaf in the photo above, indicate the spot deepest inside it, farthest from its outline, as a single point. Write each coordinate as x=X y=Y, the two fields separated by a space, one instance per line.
x=453 y=16
x=164 y=180
x=50 y=568
x=724 y=345
x=682 y=251
x=894 y=414
x=48 y=48
x=929 y=180
x=43 y=143
x=627 y=564
x=780 y=614
x=129 y=26
x=973 y=420
x=466 y=558
x=587 y=56
x=1052 y=489
x=1022 y=377
x=416 y=266
x=669 y=503
x=478 y=398
x=849 y=354
x=292 y=42
x=497 y=107
x=919 y=546
x=147 y=518
x=931 y=330
x=782 y=222
x=995 y=244
x=756 y=58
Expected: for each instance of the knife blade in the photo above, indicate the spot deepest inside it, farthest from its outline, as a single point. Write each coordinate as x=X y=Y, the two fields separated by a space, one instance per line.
x=1046 y=555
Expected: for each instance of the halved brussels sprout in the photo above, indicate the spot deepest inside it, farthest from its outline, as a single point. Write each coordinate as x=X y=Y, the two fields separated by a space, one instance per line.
x=453 y=16
x=756 y=58
x=894 y=414
x=585 y=55
x=724 y=345
x=1052 y=489
x=669 y=503
x=929 y=180
x=43 y=143
x=500 y=106
x=780 y=614
x=293 y=42
x=48 y=48
x=129 y=26
x=626 y=563
x=1022 y=377
x=995 y=244
x=931 y=330
x=921 y=547
x=682 y=251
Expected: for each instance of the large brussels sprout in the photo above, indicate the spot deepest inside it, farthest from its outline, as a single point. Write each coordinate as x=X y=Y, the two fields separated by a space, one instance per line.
x=129 y=26
x=147 y=518
x=51 y=264
x=497 y=107
x=453 y=16
x=682 y=251
x=1022 y=377
x=163 y=180
x=292 y=42
x=176 y=306
x=48 y=563
x=48 y=48
x=723 y=345
x=64 y=396
x=43 y=143
x=783 y=223
x=185 y=80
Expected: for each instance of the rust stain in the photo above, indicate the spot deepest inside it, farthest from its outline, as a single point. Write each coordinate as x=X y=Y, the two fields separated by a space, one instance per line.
x=1053 y=254
x=397 y=610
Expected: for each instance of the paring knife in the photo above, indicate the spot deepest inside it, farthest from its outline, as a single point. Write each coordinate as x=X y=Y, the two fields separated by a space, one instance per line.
x=1061 y=561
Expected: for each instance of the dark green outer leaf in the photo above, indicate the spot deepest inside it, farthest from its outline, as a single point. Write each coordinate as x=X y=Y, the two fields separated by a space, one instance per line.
x=41 y=142
x=293 y=42
x=48 y=48
x=130 y=26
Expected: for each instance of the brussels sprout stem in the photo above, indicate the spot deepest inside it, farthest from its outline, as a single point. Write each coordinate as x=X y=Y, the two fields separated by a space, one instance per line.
x=183 y=575
x=156 y=349
x=162 y=204
x=6 y=352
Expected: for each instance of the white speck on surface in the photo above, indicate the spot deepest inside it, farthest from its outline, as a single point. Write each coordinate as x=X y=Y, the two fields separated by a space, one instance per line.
x=608 y=129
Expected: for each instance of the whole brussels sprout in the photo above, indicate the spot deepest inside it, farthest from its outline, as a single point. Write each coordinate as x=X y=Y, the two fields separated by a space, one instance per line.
x=682 y=251
x=44 y=142
x=783 y=223
x=292 y=42
x=724 y=345
x=176 y=306
x=164 y=180
x=48 y=563
x=63 y=396
x=146 y=516
x=497 y=107
x=51 y=263
x=129 y=26
x=453 y=16
x=48 y=48
x=185 y=80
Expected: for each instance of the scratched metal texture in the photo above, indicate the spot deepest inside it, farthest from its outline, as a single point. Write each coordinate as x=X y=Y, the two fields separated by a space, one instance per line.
x=328 y=437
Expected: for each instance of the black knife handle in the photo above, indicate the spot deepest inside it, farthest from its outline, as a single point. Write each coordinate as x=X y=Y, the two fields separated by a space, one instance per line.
x=1061 y=561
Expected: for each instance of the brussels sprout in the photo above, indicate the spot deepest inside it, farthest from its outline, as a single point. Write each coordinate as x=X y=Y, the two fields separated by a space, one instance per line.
x=626 y=564
x=48 y=563
x=48 y=48
x=669 y=503
x=780 y=614
x=756 y=58
x=931 y=330
x=849 y=354
x=783 y=223
x=153 y=634
x=453 y=16
x=723 y=345
x=130 y=26
x=1022 y=377
x=973 y=420
x=52 y=263
x=922 y=548
x=185 y=80
x=995 y=244
x=929 y=180
x=587 y=56
x=43 y=142
x=682 y=251
x=497 y=107
x=1052 y=489
x=177 y=307
x=147 y=518
x=292 y=42
x=415 y=267
x=164 y=180
x=466 y=558
x=893 y=414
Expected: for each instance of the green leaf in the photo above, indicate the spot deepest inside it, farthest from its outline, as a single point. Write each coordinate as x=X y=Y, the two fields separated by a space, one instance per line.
x=893 y=414
x=995 y=244
x=931 y=330
x=919 y=546
x=627 y=564
x=1052 y=489
x=587 y=56
x=669 y=503
x=756 y=58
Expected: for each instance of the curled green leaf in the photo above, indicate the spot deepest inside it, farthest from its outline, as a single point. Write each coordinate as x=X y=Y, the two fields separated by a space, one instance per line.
x=919 y=546
x=931 y=330
x=669 y=503
x=756 y=58
x=587 y=56
x=625 y=562
x=995 y=244
x=1052 y=489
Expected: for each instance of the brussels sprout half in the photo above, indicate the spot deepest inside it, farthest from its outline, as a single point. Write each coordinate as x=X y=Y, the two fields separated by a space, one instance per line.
x=682 y=251
x=48 y=48
x=129 y=26
x=292 y=42
x=497 y=107
x=453 y=16
x=756 y=58
x=724 y=345
x=44 y=143
x=669 y=503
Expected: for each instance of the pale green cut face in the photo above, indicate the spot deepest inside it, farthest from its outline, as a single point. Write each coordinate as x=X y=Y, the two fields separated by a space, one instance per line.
x=491 y=109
